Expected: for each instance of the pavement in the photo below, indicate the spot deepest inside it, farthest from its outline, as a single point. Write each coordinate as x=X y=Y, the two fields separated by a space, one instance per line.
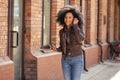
x=108 y=70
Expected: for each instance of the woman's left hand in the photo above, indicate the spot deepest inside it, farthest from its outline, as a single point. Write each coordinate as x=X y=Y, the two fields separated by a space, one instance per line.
x=75 y=21
x=52 y=47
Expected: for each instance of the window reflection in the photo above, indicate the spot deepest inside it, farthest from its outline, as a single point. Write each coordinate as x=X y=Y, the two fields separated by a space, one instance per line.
x=46 y=22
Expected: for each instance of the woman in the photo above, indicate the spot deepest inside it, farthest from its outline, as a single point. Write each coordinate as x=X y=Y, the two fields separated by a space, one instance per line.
x=71 y=37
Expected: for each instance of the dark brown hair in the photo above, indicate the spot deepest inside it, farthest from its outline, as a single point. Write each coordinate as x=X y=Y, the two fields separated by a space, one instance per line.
x=76 y=13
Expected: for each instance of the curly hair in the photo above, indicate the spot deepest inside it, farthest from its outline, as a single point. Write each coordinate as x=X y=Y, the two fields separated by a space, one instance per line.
x=68 y=8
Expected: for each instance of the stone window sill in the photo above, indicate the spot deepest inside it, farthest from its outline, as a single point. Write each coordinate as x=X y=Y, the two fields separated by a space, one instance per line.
x=45 y=53
x=5 y=60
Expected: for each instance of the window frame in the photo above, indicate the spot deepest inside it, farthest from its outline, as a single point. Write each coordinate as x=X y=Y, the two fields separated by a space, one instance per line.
x=42 y=34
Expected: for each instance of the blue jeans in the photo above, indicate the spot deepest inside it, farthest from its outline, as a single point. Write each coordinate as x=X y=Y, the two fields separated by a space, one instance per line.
x=72 y=67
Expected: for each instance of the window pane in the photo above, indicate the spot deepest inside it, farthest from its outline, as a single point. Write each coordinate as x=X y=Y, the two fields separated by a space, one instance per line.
x=81 y=5
x=67 y=2
x=46 y=23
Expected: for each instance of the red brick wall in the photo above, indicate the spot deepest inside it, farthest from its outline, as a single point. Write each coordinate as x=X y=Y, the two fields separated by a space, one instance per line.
x=117 y=20
x=28 y=24
x=93 y=54
x=33 y=23
x=30 y=66
x=90 y=12
x=43 y=66
x=111 y=19
x=88 y=35
x=3 y=27
x=6 y=65
x=103 y=20
x=56 y=6
x=93 y=21
x=34 y=63
x=105 y=54
x=6 y=69
x=49 y=67
x=84 y=12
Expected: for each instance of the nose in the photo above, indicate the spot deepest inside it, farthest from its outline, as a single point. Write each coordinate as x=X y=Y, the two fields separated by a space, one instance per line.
x=67 y=20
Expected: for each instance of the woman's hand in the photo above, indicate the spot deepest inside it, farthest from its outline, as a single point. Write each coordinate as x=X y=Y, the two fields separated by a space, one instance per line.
x=52 y=47
x=75 y=21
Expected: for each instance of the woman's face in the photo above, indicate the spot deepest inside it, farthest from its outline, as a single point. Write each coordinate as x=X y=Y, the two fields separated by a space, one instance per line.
x=68 y=19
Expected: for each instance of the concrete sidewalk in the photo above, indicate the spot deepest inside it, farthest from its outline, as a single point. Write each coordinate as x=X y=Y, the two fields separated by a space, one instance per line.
x=109 y=70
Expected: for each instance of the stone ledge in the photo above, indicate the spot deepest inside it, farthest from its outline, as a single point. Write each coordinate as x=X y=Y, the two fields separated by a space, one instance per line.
x=43 y=66
x=6 y=68
x=4 y=60
x=38 y=53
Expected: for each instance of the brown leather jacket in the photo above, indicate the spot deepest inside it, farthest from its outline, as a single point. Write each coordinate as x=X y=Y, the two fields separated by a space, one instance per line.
x=76 y=37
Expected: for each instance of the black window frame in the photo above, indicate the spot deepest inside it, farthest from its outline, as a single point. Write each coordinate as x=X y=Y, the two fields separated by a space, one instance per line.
x=67 y=3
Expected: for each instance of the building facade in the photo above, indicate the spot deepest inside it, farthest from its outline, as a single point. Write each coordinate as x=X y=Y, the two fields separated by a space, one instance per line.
x=28 y=27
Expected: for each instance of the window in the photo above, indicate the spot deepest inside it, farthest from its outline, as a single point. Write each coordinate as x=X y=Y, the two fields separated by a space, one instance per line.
x=81 y=5
x=46 y=22
x=67 y=2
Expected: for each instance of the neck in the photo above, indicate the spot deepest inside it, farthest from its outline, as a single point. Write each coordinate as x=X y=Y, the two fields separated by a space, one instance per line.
x=67 y=27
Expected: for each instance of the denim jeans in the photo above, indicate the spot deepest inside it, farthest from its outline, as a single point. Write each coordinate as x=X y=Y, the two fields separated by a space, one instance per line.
x=72 y=67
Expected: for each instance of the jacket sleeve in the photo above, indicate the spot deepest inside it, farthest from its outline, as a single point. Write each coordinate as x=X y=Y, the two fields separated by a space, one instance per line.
x=78 y=33
x=59 y=49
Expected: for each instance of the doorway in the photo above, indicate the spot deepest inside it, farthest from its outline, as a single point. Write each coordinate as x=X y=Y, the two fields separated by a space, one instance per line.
x=15 y=36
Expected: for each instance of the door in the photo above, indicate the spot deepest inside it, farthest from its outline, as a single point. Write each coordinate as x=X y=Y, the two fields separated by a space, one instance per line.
x=15 y=24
